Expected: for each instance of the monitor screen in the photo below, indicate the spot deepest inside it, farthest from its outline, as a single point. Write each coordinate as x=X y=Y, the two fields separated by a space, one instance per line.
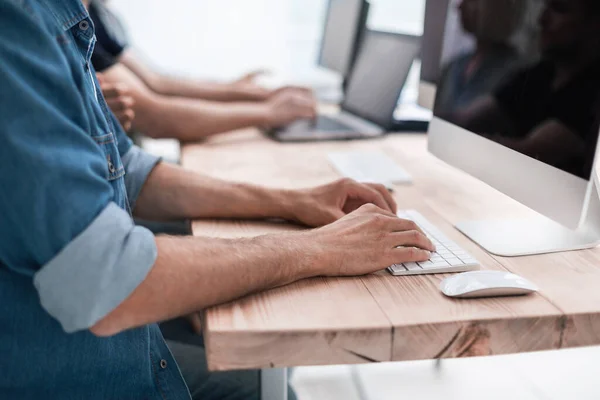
x=525 y=74
x=379 y=75
x=344 y=24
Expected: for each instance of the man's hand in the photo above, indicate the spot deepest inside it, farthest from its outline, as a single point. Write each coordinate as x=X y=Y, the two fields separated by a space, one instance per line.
x=289 y=104
x=299 y=90
x=250 y=78
x=325 y=204
x=247 y=87
x=368 y=240
x=120 y=102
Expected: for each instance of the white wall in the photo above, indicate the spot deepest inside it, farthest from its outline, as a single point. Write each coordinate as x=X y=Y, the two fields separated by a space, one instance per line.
x=224 y=38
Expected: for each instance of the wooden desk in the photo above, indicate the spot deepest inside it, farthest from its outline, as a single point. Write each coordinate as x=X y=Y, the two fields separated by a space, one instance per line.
x=380 y=317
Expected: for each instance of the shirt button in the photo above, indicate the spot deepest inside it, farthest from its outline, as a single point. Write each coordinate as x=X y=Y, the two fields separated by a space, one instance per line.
x=84 y=25
x=163 y=364
x=111 y=166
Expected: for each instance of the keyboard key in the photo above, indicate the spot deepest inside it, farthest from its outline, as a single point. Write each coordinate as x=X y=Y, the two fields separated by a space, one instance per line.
x=454 y=261
x=441 y=264
x=411 y=266
x=398 y=268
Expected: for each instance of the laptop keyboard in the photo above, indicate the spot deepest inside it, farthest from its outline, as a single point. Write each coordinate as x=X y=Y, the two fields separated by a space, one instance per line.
x=325 y=123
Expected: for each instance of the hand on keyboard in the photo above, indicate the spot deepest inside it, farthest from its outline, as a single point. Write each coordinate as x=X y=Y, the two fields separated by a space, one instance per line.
x=365 y=241
x=448 y=257
x=288 y=106
x=326 y=204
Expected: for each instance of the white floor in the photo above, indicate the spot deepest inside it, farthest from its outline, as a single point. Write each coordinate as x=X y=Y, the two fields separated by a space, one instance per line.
x=558 y=375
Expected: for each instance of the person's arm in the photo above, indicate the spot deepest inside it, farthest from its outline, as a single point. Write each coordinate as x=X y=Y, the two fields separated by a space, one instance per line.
x=242 y=90
x=119 y=101
x=188 y=119
x=196 y=273
x=172 y=193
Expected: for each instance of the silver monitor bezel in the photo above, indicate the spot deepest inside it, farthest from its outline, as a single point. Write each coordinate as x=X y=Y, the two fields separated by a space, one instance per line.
x=554 y=193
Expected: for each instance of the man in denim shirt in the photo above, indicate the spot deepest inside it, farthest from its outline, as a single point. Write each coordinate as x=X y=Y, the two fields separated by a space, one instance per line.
x=82 y=287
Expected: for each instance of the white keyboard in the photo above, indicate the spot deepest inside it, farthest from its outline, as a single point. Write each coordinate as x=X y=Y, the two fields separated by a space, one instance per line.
x=369 y=166
x=449 y=257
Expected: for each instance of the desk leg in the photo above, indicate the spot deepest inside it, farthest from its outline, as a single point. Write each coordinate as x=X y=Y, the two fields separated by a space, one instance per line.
x=274 y=384
x=358 y=383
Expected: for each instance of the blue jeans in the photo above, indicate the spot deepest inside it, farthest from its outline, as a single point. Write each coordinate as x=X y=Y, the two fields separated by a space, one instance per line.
x=190 y=354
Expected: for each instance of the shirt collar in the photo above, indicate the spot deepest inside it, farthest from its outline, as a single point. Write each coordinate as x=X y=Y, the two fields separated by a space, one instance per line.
x=67 y=13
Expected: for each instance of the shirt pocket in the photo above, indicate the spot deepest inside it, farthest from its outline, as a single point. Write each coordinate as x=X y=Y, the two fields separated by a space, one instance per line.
x=114 y=165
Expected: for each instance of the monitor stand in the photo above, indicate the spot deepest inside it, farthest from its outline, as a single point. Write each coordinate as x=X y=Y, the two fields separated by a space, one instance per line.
x=541 y=235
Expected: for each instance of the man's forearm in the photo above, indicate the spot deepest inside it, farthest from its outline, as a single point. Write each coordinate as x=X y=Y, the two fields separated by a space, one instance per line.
x=171 y=86
x=181 y=118
x=172 y=192
x=213 y=91
x=189 y=119
x=191 y=274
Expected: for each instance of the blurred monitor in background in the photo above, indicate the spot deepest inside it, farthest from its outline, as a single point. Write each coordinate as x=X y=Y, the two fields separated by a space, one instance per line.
x=343 y=32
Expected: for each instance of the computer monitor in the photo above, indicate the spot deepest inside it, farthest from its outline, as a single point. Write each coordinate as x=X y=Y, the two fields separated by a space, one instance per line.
x=522 y=114
x=345 y=26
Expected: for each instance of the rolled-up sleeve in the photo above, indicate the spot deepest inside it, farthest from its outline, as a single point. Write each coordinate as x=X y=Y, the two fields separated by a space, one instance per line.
x=138 y=166
x=58 y=222
x=97 y=270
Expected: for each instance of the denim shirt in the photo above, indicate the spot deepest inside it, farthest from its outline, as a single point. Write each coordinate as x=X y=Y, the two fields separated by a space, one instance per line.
x=69 y=250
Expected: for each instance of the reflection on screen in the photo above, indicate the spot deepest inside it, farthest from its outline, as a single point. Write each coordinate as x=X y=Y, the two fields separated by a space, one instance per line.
x=532 y=80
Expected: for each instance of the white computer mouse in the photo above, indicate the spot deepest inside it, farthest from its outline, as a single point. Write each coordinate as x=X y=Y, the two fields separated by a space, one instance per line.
x=486 y=284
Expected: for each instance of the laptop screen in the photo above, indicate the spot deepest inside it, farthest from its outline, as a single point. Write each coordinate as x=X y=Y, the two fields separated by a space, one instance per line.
x=379 y=75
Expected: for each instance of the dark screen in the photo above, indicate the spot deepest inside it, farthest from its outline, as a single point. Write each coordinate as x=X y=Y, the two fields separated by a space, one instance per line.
x=527 y=76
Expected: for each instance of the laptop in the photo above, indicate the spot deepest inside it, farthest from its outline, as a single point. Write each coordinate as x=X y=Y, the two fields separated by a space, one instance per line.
x=374 y=86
